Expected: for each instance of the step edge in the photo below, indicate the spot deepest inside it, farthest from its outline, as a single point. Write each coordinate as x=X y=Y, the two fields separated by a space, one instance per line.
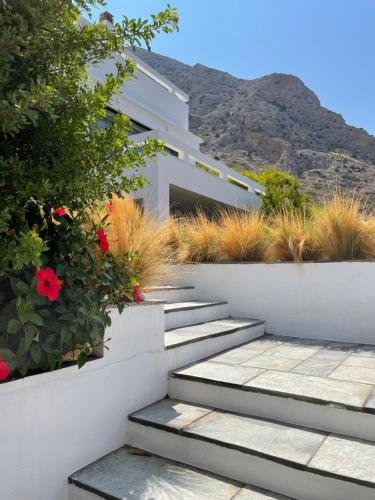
x=166 y=288
x=91 y=489
x=212 y=335
x=249 y=451
x=196 y=306
x=271 y=392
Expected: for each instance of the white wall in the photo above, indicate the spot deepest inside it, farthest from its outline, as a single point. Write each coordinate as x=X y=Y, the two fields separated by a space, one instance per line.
x=333 y=301
x=55 y=423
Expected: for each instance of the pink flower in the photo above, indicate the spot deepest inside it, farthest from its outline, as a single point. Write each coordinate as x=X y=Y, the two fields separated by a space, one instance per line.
x=137 y=295
x=49 y=284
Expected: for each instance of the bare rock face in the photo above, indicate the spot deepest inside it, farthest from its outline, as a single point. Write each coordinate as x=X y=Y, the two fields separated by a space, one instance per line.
x=273 y=120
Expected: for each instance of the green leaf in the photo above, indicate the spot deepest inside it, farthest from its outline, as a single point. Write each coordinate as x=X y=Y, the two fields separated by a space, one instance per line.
x=14 y=326
x=36 y=353
x=82 y=359
x=34 y=318
x=7 y=354
x=22 y=287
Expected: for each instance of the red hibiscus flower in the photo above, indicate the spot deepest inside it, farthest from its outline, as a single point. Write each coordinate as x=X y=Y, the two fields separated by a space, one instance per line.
x=61 y=211
x=137 y=295
x=49 y=284
x=4 y=369
x=103 y=242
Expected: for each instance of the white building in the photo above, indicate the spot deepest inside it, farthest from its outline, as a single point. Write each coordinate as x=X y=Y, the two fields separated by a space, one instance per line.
x=184 y=178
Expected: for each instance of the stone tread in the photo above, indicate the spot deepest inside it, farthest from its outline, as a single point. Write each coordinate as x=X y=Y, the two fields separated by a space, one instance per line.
x=315 y=372
x=189 y=334
x=190 y=305
x=321 y=453
x=130 y=473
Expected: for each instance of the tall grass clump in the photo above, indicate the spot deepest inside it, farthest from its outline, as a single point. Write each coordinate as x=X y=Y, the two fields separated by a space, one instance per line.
x=198 y=238
x=243 y=236
x=131 y=231
x=291 y=238
x=341 y=233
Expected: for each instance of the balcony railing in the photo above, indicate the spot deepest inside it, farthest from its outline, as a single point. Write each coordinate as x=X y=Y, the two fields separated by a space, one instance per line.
x=201 y=161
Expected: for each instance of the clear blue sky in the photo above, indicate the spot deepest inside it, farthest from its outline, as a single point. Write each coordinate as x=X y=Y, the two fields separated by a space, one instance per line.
x=329 y=44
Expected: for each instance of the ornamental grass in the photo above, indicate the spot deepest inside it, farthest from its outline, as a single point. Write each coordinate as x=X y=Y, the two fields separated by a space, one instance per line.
x=242 y=236
x=197 y=237
x=291 y=238
x=132 y=232
x=341 y=232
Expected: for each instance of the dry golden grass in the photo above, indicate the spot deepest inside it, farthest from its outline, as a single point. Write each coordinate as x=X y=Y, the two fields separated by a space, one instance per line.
x=243 y=236
x=132 y=231
x=341 y=233
x=197 y=237
x=291 y=239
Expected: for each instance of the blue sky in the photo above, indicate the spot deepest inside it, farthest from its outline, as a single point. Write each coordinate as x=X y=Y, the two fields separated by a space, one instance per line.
x=329 y=44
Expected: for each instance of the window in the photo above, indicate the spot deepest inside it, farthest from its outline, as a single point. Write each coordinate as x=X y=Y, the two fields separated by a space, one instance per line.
x=135 y=128
x=207 y=169
x=238 y=183
x=171 y=151
x=110 y=115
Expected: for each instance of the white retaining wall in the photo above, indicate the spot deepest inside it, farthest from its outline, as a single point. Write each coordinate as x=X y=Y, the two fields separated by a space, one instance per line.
x=55 y=423
x=332 y=300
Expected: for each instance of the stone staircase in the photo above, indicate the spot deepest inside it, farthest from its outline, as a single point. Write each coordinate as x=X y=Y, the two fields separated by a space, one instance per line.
x=249 y=416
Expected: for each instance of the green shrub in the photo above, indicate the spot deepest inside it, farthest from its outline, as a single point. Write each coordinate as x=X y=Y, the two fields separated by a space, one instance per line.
x=53 y=154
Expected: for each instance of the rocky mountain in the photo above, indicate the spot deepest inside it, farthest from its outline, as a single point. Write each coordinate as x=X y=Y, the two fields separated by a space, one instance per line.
x=273 y=120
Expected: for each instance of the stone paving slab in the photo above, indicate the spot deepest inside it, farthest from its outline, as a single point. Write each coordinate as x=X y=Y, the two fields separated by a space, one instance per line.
x=320 y=364
x=251 y=493
x=294 y=350
x=361 y=361
x=172 y=413
x=130 y=473
x=356 y=373
x=280 y=441
x=187 y=334
x=234 y=356
x=370 y=403
x=323 y=389
x=191 y=304
x=220 y=372
x=346 y=457
x=269 y=361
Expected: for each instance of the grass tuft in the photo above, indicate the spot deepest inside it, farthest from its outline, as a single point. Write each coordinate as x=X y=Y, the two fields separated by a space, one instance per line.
x=243 y=236
x=132 y=231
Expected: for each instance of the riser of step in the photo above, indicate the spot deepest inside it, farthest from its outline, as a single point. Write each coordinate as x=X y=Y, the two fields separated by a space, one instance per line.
x=245 y=467
x=185 y=354
x=80 y=494
x=286 y=409
x=178 y=318
x=170 y=294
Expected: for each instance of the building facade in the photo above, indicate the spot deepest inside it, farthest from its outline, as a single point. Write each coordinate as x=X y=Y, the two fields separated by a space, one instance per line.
x=183 y=178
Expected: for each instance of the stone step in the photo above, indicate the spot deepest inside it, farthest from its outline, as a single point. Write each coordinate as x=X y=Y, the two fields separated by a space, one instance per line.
x=250 y=380
x=289 y=460
x=169 y=293
x=192 y=312
x=130 y=473
x=191 y=343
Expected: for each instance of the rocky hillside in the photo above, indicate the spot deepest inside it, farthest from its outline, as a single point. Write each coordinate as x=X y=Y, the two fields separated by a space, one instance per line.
x=273 y=120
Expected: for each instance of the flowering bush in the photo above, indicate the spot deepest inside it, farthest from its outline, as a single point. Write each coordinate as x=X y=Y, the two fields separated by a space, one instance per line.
x=57 y=276
x=47 y=313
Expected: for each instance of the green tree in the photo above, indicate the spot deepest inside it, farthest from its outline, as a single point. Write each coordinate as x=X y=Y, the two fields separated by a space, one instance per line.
x=53 y=154
x=283 y=190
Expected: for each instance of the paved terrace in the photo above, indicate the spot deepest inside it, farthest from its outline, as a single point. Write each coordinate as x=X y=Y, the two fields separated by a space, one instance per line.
x=327 y=372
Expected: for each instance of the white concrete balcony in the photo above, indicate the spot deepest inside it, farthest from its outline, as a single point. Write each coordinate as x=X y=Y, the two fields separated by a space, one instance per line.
x=184 y=179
